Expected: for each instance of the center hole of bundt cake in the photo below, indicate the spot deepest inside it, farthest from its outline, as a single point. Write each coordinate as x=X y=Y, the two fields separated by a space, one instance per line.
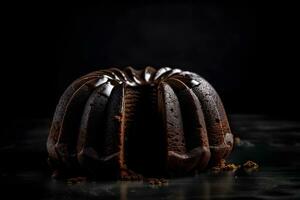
x=143 y=139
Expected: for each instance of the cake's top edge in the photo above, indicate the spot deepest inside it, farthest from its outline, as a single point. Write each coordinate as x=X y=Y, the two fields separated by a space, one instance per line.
x=134 y=77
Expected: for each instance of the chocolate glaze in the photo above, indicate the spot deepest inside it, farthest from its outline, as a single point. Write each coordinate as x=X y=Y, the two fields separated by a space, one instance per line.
x=114 y=123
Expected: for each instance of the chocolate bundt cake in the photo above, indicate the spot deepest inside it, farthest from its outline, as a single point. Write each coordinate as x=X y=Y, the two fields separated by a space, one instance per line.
x=158 y=123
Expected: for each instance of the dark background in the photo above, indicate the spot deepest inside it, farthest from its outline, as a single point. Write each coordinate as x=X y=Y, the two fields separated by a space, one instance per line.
x=245 y=49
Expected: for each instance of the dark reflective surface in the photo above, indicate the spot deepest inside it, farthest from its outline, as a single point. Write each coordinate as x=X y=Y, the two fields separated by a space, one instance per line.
x=274 y=144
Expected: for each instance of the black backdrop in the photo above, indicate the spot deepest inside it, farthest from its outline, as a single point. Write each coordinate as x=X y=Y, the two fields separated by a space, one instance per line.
x=248 y=50
x=243 y=48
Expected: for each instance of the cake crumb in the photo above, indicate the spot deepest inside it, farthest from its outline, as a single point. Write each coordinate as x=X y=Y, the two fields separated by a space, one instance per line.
x=231 y=167
x=129 y=175
x=250 y=165
x=156 y=181
x=223 y=166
